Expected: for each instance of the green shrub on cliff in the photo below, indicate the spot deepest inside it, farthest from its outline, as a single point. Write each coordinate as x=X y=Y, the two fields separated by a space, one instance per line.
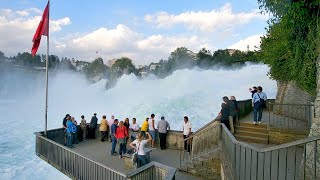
x=291 y=46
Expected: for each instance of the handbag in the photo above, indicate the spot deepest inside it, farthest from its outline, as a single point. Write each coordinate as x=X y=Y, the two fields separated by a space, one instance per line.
x=135 y=155
x=262 y=103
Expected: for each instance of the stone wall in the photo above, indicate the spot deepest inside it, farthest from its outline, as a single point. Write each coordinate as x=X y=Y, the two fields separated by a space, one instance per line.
x=290 y=93
x=314 y=131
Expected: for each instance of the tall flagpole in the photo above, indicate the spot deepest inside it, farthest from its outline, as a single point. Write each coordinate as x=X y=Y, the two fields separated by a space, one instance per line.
x=47 y=69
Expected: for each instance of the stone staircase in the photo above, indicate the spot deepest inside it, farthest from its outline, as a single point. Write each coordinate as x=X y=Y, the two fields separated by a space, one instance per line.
x=252 y=133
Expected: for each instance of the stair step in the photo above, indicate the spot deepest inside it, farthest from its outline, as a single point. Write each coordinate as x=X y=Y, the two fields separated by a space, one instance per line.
x=254 y=125
x=252 y=139
x=251 y=129
x=251 y=134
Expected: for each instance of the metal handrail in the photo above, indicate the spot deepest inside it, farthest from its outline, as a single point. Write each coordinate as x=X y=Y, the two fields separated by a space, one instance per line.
x=57 y=144
x=311 y=104
x=170 y=171
x=267 y=149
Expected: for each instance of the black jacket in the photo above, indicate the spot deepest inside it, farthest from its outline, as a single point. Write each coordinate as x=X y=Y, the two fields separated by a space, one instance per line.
x=94 y=121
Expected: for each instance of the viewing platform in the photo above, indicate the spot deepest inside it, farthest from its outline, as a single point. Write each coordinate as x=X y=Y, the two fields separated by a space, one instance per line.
x=279 y=148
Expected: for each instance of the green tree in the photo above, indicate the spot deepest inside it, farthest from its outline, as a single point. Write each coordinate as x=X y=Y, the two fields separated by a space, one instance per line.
x=291 y=46
x=122 y=66
x=96 y=70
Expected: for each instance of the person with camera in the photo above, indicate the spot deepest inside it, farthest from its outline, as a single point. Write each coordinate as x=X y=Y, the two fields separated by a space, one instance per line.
x=139 y=145
x=258 y=103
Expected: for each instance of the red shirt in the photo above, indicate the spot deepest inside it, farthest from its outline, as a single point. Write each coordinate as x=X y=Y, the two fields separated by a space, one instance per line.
x=121 y=132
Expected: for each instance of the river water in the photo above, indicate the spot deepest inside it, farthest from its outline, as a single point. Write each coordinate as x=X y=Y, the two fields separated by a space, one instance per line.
x=194 y=93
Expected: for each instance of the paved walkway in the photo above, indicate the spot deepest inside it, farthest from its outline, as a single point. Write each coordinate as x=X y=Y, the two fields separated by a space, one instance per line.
x=277 y=120
x=100 y=152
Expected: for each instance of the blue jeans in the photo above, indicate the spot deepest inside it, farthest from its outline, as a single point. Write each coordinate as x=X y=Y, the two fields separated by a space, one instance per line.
x=257 y=112
x=122 y=149
x=74 y=138
x=69 y=140
x=114 y=144
x=142 y=160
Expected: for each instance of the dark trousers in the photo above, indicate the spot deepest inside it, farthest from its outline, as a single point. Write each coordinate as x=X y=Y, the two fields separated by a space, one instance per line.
x=187 y=145
x=142 y=160
x=104 y=135
x=74 y=138
x=122 y=149
x=226 y=123
x=163 y=140
x=257 y=112
x=92 y=133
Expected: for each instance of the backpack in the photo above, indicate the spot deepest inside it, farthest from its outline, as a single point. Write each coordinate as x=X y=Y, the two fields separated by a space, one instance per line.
x=73 y=128
x=262 y=103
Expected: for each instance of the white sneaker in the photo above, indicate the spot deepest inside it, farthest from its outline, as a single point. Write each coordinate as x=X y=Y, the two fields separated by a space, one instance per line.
x=259 y=122
x=254 y=122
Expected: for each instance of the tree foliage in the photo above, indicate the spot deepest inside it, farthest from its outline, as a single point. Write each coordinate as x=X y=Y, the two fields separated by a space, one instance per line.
x=291 y=46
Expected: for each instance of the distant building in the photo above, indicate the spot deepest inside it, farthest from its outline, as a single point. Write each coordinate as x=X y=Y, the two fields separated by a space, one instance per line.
x=111 y=62
x=154 y=66
x=231 y=51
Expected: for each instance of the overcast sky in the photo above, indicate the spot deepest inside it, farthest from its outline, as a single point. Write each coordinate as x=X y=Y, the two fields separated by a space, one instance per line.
x=145 y=31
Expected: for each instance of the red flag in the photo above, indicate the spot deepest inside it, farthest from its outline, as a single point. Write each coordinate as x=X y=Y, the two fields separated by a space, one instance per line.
x=43 y=29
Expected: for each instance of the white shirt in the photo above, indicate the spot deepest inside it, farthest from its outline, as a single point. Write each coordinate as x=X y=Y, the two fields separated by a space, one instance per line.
x=150 y=125
x=186 y=128
x=111 y=121
x=140 y=146
x=135 y=126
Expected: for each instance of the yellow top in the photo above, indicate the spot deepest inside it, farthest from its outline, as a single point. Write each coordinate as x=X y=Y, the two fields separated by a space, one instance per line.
x=103 y=125
x=145 y=126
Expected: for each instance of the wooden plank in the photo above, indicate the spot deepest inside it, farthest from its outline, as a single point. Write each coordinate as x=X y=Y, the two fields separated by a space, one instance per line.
x=254 y=165
x=267 y=166
x=275 y=164
x=243 y=163
x=248 y=164
x=260 y=171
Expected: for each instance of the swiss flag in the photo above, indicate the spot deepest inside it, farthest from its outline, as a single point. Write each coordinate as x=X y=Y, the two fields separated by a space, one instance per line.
x=43 y=29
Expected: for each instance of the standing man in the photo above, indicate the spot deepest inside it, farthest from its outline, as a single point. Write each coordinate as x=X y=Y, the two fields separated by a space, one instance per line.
x=113 y=131
x=152 y=130
x=64 y=124
x=111 y=121
x=93 y=126
x=224 y=113
x=258 y=103
x=163 y=125
x=186 y=129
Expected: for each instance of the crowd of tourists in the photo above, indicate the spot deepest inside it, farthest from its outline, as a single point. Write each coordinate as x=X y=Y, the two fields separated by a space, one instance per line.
x=122 y=132
x=229 y=108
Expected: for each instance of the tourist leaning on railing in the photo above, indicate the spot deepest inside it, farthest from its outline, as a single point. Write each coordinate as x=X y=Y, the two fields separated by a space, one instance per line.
x=224 y=113
x=93 y=126
x=64 y=124
x=134 y=128
x=69 y=125
x=152 y=130
x=110 y=122
x=83 y=125
x=104 y=128
x=163 y=125
x=145 y=126
x=139 y=145
x=74 y=131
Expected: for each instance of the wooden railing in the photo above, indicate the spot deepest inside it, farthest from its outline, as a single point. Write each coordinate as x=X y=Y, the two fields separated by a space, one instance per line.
x=77 y=166
x=295 y=116
x=202 y=142
x=153 y=170
x=295 y=160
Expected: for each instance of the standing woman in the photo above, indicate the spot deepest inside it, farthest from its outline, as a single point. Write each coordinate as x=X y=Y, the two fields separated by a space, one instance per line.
x=104 y=128
x=121 y=135
x=134 y=128
x=152 y=130
x=127 y=125
x=258 y=103
x=140 y=147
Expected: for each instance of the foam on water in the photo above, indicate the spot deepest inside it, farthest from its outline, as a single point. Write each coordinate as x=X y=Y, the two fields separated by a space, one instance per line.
x=195 y=93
